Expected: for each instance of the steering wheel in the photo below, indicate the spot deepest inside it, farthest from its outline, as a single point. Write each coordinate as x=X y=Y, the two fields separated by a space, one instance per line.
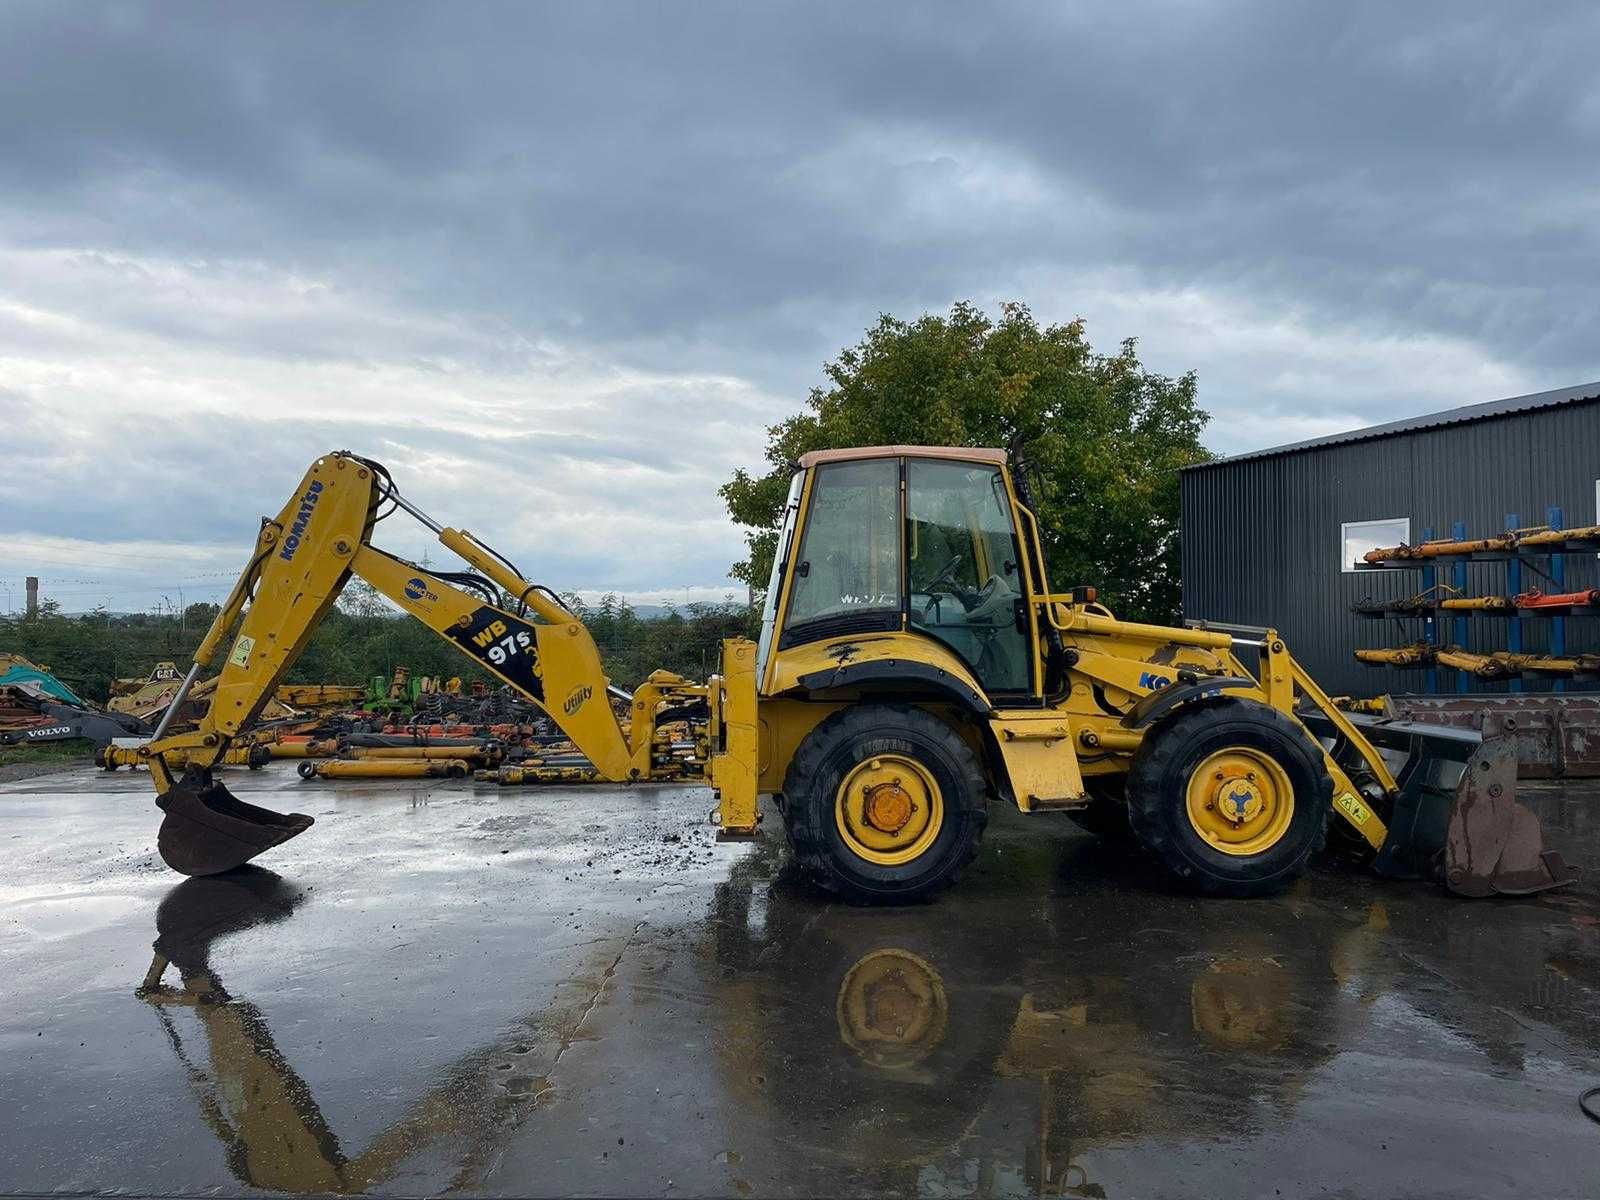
x=944 y=574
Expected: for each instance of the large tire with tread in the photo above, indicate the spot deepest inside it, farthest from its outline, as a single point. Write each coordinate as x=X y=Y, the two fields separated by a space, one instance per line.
x=858 y=736
x=1159 y=795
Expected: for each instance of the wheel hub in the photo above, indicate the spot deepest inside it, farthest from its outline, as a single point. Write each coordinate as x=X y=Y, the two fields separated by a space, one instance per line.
x=1240 y=800
x=888 y=809
x=888 y=806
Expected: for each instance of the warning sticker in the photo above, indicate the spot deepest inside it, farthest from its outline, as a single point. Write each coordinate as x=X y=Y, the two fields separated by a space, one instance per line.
x=241 y=651
x=1352 y=807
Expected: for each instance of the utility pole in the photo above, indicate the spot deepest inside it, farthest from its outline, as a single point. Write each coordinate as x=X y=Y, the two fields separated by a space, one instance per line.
x=33 y=595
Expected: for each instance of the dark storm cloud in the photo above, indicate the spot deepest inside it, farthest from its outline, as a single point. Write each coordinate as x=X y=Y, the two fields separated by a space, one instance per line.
x=1335 y=212
x=675 y=172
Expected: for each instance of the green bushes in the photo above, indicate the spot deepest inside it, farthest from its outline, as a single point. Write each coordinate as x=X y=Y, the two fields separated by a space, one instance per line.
x=359 y=639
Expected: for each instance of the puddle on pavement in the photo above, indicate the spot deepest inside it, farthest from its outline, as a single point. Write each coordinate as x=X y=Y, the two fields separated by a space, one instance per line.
x=1056 y=1010
x=68 y=916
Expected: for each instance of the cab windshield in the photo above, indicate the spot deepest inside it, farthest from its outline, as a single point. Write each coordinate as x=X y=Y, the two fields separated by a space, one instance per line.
x=847 y=574
x=780 y=560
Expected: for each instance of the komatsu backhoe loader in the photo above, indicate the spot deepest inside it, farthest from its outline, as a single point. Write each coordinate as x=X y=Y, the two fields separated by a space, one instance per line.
x=913 y=663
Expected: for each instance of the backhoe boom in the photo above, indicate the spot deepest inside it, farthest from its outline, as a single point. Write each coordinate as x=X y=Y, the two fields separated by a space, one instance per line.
x=303 y=559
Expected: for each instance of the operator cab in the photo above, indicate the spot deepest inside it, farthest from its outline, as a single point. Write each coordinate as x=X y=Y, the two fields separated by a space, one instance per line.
x=917 y=538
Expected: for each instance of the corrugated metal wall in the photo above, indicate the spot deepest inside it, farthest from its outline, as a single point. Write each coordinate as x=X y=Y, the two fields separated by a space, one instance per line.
x=1261 y=536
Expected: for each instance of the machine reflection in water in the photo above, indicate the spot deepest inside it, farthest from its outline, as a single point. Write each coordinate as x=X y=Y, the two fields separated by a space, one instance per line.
x=951 y=1053
x=883 y=1049
x=261 y=1110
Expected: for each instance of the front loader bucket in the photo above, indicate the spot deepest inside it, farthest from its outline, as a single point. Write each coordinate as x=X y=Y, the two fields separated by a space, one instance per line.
x=1456 y=818
x=1495 y=846
x=208 y=829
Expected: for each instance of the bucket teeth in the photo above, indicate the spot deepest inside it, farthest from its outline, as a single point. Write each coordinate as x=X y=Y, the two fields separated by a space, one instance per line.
x=1495 y=846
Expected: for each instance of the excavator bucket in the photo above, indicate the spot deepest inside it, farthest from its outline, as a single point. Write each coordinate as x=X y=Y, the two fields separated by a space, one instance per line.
x=208 y=830
x=1457 y=819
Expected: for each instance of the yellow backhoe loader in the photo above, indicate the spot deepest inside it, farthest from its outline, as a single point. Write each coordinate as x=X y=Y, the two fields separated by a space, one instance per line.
x=913 y=663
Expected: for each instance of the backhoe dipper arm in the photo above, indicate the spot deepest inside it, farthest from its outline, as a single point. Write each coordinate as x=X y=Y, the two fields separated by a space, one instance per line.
x=302 y=561
x=556 y=665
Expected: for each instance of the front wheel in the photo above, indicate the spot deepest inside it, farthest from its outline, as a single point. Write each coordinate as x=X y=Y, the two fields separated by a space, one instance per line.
x=884 y=803
x=1231 y=796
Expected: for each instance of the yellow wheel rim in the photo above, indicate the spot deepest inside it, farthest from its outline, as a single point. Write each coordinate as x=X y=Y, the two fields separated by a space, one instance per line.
x=892 y=1009
x=889 y=809
x=1240 y=801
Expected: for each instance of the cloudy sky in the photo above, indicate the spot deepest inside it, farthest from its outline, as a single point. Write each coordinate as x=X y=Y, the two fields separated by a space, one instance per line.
x=558 y=265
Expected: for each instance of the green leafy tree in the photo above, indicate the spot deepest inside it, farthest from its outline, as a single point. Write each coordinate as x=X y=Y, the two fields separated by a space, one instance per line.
x=1103 y=439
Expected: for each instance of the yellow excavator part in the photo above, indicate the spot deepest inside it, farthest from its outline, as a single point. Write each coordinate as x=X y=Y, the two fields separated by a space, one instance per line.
x=302 y=560
x=1397 y=656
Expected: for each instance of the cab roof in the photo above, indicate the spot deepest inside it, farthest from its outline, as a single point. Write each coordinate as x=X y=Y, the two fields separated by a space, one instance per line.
x=961 y=453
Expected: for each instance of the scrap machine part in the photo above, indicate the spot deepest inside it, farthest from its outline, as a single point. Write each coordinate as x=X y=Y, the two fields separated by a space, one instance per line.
x=1415 y=655
x=1556 y=733
x=385 y=768
x=208 y=830
x=244 y=754
x=1535 y=540
x=1503 y=664
x=1535 y=598
x=66 y=722
x=1476 y=604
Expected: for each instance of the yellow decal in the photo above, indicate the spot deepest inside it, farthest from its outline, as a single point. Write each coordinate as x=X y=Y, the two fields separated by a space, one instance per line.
x=241 y=651
x=1353 y=808
x=494 y=629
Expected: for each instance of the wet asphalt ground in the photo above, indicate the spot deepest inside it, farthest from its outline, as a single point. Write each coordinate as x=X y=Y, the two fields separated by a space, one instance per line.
x=577 y=992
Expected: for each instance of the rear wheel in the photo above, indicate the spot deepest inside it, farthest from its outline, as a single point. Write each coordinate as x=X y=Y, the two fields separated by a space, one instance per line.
x=1232 y=797
x=884 y=802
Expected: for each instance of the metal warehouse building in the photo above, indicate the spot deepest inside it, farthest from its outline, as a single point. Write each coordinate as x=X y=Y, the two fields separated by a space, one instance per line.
x=1269 y=538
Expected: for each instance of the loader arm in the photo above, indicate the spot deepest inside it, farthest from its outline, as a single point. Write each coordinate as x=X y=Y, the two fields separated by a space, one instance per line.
x=303 y=559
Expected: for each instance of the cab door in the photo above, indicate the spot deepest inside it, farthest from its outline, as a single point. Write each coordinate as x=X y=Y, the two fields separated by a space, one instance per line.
x=964 y=570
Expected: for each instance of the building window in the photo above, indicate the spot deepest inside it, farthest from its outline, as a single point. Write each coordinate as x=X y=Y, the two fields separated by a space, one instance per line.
x=1357 y=537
